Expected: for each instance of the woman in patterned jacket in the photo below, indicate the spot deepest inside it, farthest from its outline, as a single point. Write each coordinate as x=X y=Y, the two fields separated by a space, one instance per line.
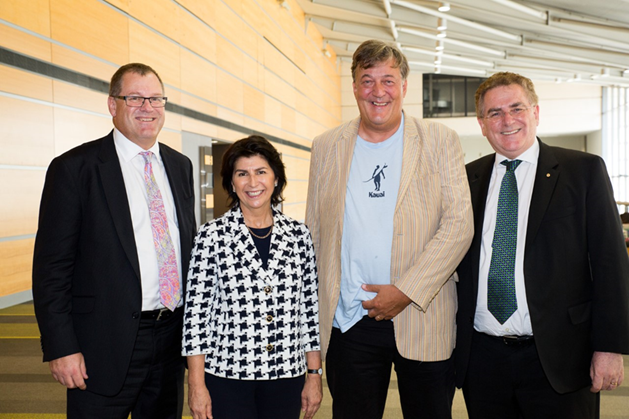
x=251 y=325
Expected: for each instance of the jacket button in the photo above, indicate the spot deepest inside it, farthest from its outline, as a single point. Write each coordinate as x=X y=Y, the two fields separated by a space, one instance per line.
x=269 y=318
x=136 y=315
x=268 y=289
x=269 y=348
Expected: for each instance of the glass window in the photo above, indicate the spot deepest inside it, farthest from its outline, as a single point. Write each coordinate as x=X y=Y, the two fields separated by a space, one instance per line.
x=447 y=96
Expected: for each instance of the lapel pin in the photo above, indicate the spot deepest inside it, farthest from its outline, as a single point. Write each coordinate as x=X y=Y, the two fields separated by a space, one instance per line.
x=547 y=174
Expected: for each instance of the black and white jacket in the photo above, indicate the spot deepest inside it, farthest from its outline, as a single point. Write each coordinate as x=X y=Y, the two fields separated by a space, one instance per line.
x=252 y=323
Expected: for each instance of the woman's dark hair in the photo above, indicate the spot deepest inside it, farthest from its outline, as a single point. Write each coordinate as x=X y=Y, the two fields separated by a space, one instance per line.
x=254 y=145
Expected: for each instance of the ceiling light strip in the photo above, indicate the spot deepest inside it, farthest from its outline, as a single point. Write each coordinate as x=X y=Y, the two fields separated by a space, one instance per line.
x=451 y=18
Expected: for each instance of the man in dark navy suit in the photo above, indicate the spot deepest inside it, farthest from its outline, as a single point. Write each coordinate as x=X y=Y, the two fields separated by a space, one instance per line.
x=116 y=227
x=544 y=289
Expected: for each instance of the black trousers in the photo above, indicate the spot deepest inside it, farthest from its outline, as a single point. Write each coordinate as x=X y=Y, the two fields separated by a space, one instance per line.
x=358 y=370
x=153 y=388
x=255 y=399
x=508 y=382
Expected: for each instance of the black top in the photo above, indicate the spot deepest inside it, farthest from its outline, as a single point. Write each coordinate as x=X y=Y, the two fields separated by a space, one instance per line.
x=264 y=244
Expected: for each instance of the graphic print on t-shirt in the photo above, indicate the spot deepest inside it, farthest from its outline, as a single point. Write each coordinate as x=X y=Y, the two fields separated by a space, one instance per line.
x=377 y=175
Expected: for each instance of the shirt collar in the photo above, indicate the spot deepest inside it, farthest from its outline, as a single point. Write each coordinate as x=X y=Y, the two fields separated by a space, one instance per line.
x=530 y=156
x=128 y=150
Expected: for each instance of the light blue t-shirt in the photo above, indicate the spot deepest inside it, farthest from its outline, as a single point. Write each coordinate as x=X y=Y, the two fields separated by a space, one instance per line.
x=372 y=188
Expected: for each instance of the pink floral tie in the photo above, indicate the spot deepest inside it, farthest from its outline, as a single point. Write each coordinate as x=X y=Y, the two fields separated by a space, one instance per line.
x=170 y=290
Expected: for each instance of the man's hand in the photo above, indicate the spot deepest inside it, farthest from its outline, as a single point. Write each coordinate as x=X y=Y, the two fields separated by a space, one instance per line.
x=70 y=371
x=388 y=303
x=607 y=371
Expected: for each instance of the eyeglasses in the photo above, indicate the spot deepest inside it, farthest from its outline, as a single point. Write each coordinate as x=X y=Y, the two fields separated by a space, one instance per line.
x=498 y=114
x=138 y=101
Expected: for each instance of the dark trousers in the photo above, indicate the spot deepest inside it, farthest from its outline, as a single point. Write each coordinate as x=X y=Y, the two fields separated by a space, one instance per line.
x=508 y=382
x=255 y=399
x=358 y=370
x=153 y=388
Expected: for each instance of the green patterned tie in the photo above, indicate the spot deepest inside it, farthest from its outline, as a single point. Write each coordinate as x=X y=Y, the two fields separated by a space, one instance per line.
x=501 y=301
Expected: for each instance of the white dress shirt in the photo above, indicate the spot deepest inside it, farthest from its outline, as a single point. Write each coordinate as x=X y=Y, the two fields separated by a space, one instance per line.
x=132 y=165
x=519 y=323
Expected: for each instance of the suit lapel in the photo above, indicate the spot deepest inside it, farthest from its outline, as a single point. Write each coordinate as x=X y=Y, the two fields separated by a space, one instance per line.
x=479 y=186
x=281 y=249
x=546 y=178
x=410 y=157
x=344 y=154
x=117 y=201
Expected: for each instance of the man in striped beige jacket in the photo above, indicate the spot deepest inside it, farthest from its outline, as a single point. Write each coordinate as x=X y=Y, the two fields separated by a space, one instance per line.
x=390 y=216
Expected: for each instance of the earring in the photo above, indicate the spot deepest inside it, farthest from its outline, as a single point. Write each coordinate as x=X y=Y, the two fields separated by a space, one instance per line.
x=276 y=184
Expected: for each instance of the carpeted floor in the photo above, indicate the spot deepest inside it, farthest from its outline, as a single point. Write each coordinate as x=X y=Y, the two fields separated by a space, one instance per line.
x=28 y=391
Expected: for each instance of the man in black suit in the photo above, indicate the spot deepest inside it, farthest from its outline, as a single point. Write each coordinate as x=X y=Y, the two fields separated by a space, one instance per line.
x=116 y=227
x=544 y=289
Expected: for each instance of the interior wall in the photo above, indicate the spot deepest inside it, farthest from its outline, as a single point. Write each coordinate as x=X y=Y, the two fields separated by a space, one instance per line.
x=231 y=68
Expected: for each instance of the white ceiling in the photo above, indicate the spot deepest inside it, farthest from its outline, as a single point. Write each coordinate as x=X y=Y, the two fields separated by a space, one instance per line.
x=583 y=41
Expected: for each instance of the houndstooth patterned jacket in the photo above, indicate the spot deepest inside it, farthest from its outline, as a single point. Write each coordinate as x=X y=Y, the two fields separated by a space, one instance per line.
x=251 y=323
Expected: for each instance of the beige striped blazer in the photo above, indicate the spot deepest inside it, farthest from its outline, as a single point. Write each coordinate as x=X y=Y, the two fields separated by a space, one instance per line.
x=432 y=230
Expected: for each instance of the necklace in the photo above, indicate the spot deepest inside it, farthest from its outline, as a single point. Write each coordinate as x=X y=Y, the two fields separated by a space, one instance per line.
x=260 y=237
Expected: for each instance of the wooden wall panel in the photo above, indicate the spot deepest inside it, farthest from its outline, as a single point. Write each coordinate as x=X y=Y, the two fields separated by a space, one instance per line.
x=27 y=84
x=171 y=139
x=73 y=128
x=229 y=57
x=253 y=103
x=198 y=77
x=82 y=63
x=197 y=36
x=173 y=120
x=162 y=16
x=288 y=119
x=198 y=104
x=205 y=10
x=16 y=262
x=24 y=43
x=296 y=168
x=33 y=15
x=229 y=91
x=229 y=25
x=148 y=47
x=78 y=97
x=247 y=40
x=276 y=87
x=87 y=25
x=18 y=215
x=26 y=136
x=295 y=211
x=272 y=111
x=120 y=4
x=278 y=64
x=199 y=127
x=255 y=21
x=227 y=115
x=296 y=191
x=253 y=73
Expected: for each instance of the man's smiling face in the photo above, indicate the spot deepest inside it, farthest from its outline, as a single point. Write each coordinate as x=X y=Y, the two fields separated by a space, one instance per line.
x=379 y=93
x=139 y=124
x=509 y=135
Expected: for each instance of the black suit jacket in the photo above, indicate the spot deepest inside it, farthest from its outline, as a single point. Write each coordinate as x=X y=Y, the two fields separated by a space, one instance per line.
x=86 y=277
x=576 y=268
